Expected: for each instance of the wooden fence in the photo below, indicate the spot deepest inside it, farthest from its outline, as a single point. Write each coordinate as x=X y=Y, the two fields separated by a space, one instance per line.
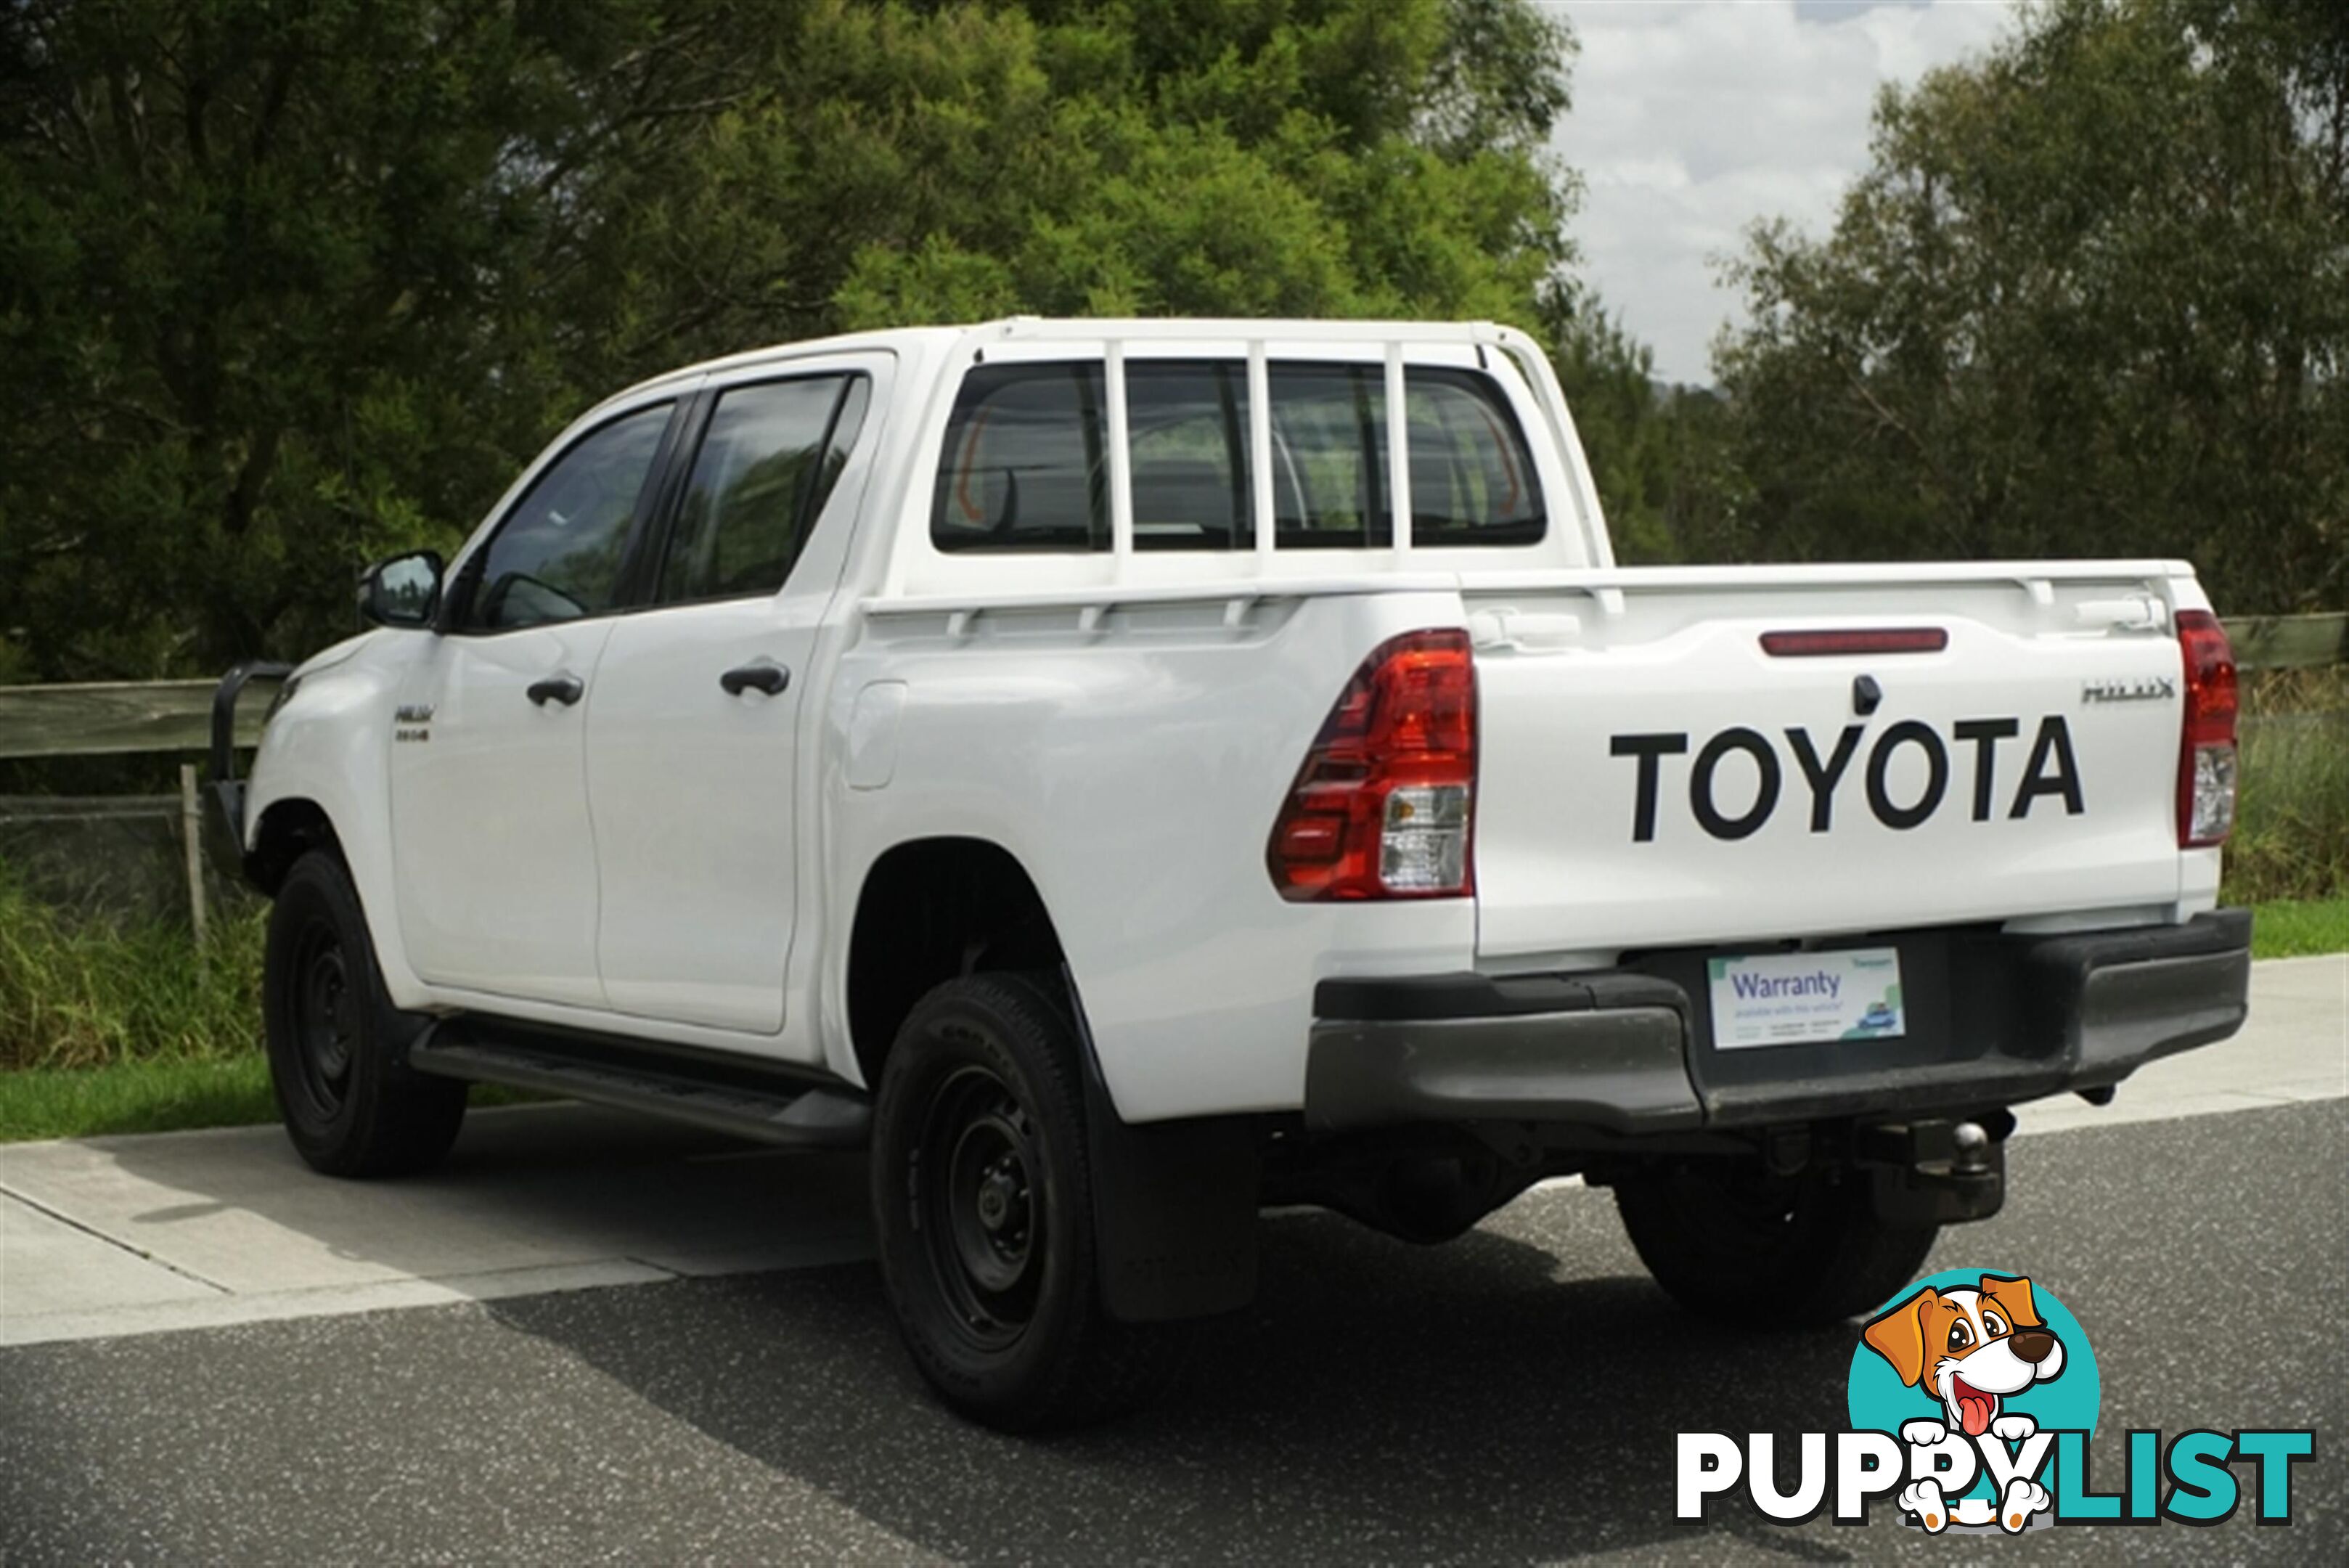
x=119 y=717
x=2289 y=641
x=113 y=718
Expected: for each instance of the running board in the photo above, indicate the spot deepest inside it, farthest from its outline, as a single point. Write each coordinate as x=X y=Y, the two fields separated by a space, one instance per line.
x=796 y=1116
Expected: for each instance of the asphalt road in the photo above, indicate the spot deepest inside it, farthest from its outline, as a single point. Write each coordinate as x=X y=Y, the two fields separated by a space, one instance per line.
x=1512 y=1398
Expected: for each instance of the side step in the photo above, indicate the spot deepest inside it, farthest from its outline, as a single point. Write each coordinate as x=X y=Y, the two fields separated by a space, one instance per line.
x=776 y=1111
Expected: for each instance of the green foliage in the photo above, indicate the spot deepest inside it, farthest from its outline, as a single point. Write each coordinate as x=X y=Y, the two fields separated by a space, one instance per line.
x=2292 y=824
x=162 y=1095
x=83 y=994
x=88 y=993
x=2090 y=298
x=2301 y=928
x=285 y=286
x=1661 y=456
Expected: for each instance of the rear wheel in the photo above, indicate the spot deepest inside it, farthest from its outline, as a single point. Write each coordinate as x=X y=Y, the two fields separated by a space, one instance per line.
x=1731 y=1242
x=982 y=1200
x=338 y=1048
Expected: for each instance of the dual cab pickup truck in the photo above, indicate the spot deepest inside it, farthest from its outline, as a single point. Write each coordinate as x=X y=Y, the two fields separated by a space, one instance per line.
x=1128 y=773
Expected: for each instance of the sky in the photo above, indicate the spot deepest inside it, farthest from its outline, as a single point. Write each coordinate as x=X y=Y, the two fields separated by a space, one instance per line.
x=1692 y=118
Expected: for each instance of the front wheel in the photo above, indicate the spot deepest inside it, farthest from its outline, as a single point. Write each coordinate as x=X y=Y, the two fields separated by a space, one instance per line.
x=338 y=1048
x=982 y=1201
x=1731 y=1241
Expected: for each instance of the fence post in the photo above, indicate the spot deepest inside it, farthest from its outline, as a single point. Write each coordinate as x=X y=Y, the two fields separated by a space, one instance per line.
x=191 y=833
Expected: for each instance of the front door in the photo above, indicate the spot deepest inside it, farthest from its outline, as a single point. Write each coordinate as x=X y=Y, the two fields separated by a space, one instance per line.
x=494 y=858
x=692 y=727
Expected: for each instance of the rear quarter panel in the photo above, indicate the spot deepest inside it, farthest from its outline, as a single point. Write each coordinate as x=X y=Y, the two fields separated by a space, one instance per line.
x=1134 y=769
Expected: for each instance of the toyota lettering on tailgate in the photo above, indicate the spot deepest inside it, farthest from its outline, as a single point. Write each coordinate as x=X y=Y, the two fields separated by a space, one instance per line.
x=2050 y=769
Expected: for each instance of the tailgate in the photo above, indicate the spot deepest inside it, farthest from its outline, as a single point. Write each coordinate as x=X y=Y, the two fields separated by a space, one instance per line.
x=1648 y=774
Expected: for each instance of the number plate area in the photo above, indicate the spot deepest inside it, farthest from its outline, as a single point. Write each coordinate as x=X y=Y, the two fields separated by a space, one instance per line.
x=1800 y=998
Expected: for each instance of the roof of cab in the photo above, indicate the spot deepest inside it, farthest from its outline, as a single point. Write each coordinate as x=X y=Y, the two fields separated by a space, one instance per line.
x=1159 y=329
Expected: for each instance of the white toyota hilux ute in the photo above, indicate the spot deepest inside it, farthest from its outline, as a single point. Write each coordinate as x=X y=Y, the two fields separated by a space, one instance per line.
x=1050 y=754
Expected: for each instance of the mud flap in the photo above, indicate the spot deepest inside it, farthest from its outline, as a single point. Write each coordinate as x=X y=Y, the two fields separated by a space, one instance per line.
x=1175 y=1207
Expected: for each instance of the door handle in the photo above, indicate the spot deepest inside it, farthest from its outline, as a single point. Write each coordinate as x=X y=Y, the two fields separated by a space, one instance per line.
x=560 y=686
x=759 y=675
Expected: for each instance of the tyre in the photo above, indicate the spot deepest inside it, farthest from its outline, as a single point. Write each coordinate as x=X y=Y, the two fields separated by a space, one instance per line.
x=338 y=1048
x=1730 y=1242
x=982 y=1204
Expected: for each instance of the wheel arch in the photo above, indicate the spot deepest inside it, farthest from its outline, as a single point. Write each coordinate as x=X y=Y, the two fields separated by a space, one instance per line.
x=288 y=829
x=309 y=813
x=1174 y=1204
x=928 y=910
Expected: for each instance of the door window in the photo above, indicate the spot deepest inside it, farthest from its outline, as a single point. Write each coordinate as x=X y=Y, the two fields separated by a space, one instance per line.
x=557 y=556
x=766 y=463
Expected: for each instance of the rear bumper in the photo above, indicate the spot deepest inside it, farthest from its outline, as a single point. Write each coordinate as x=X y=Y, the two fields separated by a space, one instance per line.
x=1628 y=1053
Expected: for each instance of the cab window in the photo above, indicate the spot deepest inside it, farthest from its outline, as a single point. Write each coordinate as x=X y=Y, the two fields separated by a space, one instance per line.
x=1187 y=423
x=1023 y=470
x=768 y=461
x=557 y=557
x=1024 y=466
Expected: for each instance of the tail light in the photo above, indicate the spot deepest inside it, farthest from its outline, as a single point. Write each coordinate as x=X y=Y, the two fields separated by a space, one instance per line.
x=1385 y=802
x=2206 y=755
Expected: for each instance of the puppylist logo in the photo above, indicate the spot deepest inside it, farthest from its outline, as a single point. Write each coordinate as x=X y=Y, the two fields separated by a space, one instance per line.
x=1972 y=1398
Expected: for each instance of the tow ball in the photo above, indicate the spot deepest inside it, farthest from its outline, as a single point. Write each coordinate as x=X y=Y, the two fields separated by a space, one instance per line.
x=1939 y=1172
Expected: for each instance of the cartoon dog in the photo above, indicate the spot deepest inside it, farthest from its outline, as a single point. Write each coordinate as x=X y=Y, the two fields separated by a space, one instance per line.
x=1970 y=1349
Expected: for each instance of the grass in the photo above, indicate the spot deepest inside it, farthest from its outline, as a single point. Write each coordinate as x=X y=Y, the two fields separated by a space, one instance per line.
x=93 y=993
x=160 y=1096
x=111 y=1029
x=2295 y=928
x=168 y=1094
x=115 y=1028
x=2292 y=823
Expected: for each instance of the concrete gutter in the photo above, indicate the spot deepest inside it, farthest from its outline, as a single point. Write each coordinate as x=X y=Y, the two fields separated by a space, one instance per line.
x=108 y=1236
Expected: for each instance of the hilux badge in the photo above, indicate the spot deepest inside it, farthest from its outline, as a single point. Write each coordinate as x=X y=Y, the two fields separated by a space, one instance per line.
x=409 y=721
x=2156 y=689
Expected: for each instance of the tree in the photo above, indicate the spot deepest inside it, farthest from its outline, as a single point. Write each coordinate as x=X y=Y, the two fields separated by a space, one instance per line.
x=269 y=293
x=288 y=284
x=2090 y=298
x=1659 y=455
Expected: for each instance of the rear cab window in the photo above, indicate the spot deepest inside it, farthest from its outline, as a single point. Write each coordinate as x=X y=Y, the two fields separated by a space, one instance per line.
x=1024 y=462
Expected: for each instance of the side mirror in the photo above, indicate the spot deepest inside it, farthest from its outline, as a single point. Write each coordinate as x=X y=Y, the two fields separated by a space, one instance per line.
x=402 y=591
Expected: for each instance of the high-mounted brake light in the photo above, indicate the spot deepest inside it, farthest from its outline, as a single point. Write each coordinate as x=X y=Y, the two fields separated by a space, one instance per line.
x=2206 y=751
x=1822 y=644
x=1384 y=804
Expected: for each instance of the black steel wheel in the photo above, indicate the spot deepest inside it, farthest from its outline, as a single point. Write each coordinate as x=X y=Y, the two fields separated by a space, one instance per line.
x=1730 y=1241
x=977 y=1185
x=338 y=1048
x=324 y=1008
x=982 y=1203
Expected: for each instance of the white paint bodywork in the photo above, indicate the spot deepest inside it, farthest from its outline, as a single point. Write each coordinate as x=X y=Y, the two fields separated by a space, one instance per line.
x=666 y=861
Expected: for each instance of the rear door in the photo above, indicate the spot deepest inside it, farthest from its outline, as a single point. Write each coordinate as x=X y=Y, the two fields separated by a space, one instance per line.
x=1715 y=762
x=693 y=758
